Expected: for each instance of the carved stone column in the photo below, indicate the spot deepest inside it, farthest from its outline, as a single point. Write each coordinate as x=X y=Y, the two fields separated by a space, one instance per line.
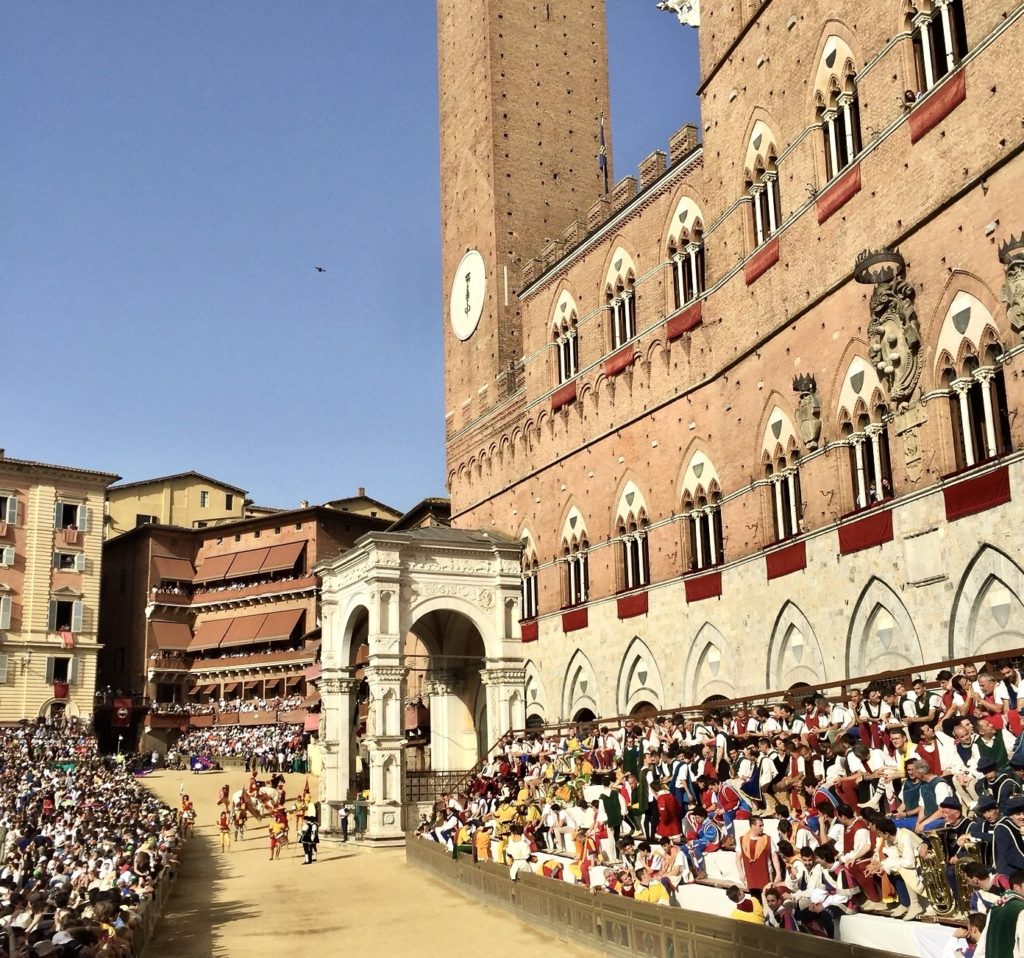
x=338 y=694
x=506 y=700
x=448 y=713
x=386 y=747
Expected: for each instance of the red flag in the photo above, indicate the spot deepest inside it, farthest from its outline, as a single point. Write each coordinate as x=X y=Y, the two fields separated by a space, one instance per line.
x=122 y=717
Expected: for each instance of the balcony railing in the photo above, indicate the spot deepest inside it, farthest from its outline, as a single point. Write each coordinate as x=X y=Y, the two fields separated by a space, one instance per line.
x=229 y=664
x=215 y=597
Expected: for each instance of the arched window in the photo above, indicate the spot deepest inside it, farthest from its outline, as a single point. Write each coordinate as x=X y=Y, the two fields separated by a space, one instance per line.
x=634 y=570
x=970 y=368
x=529 y=604
x=702 y=515
x=622 y=302
x=574 y=560
x=787 y=506
x=703 y=531
x=781 y=460
x=763 y=184
x=979 y=413
x=940 y=39
x=838 y=106
x=567 y=344
x=687 y=258
x=575 y=571
x=867 y=438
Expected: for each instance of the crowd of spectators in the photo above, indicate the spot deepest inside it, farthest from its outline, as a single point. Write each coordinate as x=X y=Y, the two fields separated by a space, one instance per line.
x=906 y=800
x=278 y=704
x=184 y=588
x=83 y=845
x=268 y=748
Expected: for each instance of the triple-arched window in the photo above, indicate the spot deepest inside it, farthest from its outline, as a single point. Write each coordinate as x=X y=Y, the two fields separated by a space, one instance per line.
x=838 y=106
x=762 y=183
x=940 y=39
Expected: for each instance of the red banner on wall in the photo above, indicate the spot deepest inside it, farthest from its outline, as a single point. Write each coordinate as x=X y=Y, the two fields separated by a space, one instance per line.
x=122 y=716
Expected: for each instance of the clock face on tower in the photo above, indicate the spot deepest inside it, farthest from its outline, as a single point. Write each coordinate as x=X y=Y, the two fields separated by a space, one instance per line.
x=469 y=290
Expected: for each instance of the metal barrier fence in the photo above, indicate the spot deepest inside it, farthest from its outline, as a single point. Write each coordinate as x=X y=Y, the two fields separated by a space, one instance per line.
x=619 y=926
x=427 y=784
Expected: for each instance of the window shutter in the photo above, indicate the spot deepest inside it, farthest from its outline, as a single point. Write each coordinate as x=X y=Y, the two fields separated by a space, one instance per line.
x=3 y=668
x=12 y=510
x=51 y=623
x=49 y=670
x=563 y=568
x=56 y=560
x=7 y=556
x=83 y=518
x=76 y=616
x=80 y=562
x=56 y=514
x=73 y=670
x=5 y=612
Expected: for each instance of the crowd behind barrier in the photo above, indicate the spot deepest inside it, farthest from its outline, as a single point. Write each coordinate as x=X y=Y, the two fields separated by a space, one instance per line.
x=275 y=748
x=896 y=799
x=88 y=854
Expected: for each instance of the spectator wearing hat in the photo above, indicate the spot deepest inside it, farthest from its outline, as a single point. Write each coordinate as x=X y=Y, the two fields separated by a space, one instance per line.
x=1001 y=786
x=309 y=836
x=1008 y=838
x=979 y=830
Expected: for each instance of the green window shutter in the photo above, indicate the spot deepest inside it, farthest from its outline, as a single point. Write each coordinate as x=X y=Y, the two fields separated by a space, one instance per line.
x=5 y=612
x=49 y=670
x=51 y=624
x=76 y=616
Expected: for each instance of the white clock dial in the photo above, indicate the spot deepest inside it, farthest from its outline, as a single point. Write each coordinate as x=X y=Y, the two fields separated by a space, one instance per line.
x=469 y=290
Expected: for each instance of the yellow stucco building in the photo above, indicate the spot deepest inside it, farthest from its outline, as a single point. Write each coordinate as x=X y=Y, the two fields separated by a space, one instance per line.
x=187 y=499
x=51 y=538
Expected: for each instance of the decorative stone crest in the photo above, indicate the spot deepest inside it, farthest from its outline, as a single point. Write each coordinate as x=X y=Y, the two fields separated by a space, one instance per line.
x=687 y=11
x=808 y=410
x=894 y=333
x=1011 y=255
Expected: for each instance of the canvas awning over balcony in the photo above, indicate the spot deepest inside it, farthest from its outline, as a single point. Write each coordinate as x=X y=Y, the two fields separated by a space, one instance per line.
x=170 y=636
x=172 y=569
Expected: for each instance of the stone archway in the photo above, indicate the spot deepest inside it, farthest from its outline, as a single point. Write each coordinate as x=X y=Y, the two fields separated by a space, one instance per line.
x=882 y=635
x=437 y=607
x=988 y=609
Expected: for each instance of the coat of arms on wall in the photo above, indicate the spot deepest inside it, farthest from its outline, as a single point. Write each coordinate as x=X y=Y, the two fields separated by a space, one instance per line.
x=1011 y=255
x=808 y=410
x=894 y=334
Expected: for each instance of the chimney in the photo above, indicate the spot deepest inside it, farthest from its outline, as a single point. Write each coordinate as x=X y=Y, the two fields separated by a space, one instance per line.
x=361 y=491
x=303 y=503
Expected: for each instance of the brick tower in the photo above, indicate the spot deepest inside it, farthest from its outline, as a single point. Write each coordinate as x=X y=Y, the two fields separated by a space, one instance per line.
x=523 y=86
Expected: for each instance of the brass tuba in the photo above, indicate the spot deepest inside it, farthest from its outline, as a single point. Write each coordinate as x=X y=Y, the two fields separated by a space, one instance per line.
x=933 y=854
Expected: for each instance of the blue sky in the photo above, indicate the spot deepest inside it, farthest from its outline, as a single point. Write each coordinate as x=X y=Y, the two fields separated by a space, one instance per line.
x=172 y=173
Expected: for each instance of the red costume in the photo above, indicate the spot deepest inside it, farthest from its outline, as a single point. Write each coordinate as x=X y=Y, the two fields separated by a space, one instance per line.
x=756 y=854
x=669 y=815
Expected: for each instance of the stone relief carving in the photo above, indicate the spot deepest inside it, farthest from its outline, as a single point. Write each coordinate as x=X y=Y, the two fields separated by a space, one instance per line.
x=894 y=333
x=808 y=410
x=908 y=425
x=687 y=11
x=1011 y=255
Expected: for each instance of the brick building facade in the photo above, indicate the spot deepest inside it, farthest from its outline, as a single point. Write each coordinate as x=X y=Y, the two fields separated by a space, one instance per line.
x=220 y=613
x=738 y=454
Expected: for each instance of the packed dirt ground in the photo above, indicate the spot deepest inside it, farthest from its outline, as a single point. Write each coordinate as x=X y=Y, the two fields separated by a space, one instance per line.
x=352 y=901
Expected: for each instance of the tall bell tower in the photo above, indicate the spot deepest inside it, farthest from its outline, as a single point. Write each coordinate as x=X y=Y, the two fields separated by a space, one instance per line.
x=523 y=89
